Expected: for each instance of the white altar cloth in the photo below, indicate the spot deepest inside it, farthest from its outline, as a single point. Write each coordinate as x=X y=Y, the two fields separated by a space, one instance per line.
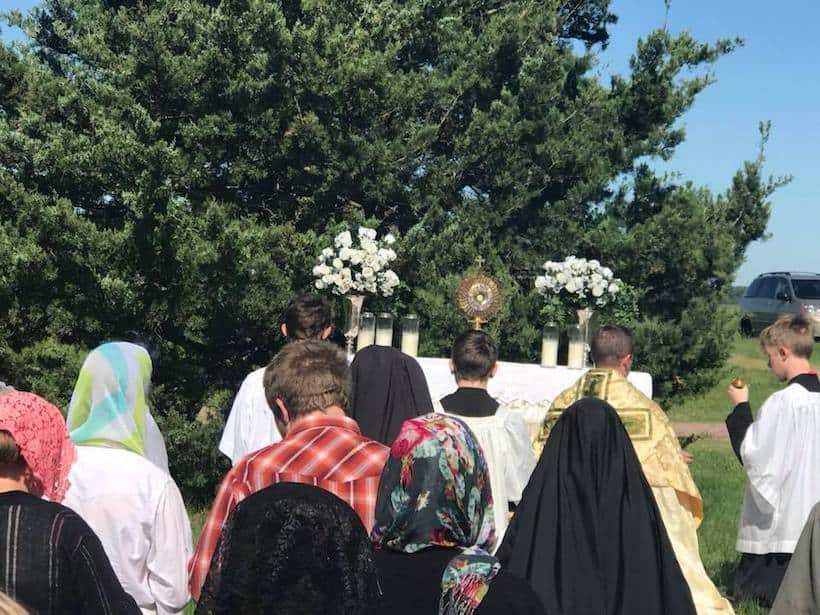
x=525 y=387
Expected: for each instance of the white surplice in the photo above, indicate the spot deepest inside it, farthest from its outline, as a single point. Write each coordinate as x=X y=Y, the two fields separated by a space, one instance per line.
x=781 y=456
x=505 y=442
x=137 y=512
x=250 y=425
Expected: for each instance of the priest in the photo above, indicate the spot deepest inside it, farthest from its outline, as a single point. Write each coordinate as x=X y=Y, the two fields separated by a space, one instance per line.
x=662 y=459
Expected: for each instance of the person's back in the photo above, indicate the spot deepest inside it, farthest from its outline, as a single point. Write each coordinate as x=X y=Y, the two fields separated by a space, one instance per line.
x=308 y=384
x=138 y=513
x=52 y=562
x=502 y=434
x=267 y=560
x=434 y=529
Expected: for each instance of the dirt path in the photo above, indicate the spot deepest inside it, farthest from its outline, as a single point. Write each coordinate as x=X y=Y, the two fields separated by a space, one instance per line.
x=713 y=430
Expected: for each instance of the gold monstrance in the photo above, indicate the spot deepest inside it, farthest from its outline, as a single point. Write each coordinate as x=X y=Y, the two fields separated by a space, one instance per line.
x=477 y=295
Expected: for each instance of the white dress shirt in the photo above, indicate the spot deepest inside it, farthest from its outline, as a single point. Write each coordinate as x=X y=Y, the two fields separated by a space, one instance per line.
x=250 y=425
x=137 y=511
x=781 y=456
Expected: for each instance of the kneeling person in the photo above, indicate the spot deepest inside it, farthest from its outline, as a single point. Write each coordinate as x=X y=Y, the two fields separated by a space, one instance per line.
x=658 y=450
x=308 y=386
x=501 y=433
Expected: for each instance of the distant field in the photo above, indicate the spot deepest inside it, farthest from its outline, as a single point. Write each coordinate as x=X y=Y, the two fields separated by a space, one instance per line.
x=748 y=362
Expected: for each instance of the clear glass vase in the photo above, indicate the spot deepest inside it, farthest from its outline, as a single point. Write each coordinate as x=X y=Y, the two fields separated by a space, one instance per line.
x=367 y=330
x=550 y=336
x=353 y=311
x=410 y=335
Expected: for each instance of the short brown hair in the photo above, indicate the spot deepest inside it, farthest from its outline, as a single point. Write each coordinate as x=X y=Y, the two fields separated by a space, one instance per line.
x=10 y=454
x=792 y=331
x=307 y=316
x=308 y=375
x=474 y=354
x=610 y=344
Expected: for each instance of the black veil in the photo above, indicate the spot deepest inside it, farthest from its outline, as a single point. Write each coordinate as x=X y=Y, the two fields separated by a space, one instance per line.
x=587 y=534
x=288 y=549
x=389 y=387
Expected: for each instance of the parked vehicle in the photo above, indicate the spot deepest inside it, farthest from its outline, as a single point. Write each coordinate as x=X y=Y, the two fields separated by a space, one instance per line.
x=776 y=293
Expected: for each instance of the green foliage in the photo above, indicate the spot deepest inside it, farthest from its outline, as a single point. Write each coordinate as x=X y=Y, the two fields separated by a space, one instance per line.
x=174 y=167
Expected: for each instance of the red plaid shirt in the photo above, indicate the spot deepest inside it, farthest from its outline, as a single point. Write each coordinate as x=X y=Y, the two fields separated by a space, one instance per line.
x=329 y=452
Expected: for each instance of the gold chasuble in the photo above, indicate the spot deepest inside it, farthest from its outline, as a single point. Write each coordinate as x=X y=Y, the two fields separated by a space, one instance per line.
x=658 y=449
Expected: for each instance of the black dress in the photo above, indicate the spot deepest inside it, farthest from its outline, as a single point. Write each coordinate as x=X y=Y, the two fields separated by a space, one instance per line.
x=411 y=585
x=51 y=562
x=587 y=533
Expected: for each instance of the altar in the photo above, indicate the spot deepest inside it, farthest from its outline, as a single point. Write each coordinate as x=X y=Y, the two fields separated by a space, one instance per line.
x=524 y=387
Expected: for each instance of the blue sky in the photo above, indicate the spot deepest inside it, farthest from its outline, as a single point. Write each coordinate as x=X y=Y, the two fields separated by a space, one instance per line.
x=775 y=76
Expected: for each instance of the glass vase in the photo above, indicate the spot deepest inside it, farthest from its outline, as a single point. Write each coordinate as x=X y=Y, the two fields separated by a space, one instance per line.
x=410 y=335
x=353 y=309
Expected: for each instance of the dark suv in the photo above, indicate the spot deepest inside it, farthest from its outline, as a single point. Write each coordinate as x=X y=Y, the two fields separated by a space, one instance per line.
x=776 y=293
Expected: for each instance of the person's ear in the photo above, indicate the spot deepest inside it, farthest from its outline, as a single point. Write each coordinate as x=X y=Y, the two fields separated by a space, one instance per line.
x=283 y=409
x=452 y=367
x=284 y=329
x=784 y=353
x=325 y=333
x=493 y=371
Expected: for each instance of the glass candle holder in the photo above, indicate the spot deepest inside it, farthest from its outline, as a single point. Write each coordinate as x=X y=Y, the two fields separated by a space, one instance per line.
x=384 y=329
x=410 y=335
x=367 y=330
x=550 y=335
x=576 y=357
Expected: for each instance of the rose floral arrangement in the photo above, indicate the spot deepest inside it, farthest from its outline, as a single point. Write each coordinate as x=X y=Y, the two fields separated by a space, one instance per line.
x=360 y=266
x=573 y=284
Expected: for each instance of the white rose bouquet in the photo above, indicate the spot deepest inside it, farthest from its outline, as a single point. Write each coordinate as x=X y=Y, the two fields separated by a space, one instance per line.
x=346 y=268
x=575 y=283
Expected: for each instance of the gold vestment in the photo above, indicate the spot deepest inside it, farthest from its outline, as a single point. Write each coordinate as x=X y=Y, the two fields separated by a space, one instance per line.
x=659 y=451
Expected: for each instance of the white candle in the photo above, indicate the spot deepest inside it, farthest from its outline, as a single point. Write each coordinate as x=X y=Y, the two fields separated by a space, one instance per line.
x=549 y=346
x=367 y=330
x=410 y=335
x=577 y=348
x=384 y=329
x=410 y=342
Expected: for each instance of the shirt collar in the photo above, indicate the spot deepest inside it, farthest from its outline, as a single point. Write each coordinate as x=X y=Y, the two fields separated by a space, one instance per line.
x=323 y=420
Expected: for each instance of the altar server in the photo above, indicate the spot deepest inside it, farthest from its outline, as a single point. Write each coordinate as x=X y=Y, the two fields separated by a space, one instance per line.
x=250 y=425
x=658 y=450
x=502 y=433
x=780 y=451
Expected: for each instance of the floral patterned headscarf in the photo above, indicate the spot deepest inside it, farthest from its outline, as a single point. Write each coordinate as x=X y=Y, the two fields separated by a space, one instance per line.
x=39 y=431
x=435 y=491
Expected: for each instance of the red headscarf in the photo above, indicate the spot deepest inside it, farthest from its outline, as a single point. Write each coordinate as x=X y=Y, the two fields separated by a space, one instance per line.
x=39 y=430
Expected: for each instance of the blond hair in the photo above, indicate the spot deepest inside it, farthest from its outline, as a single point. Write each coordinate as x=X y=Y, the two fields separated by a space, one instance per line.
x=792 y=331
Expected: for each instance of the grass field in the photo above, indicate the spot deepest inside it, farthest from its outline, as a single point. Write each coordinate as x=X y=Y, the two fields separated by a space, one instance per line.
x=748 y=362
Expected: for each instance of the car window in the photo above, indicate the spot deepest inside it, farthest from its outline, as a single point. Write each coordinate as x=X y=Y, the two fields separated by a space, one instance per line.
x=806 y=289
x=753 y=288
x=782 y=288
x=767 y=288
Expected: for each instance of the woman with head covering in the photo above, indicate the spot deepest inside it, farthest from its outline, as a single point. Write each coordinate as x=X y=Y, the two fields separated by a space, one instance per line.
x=388 y=388
x=292 y=548
x=587 y=534
x=120 y=484
x=50 y=560
x=434 y=527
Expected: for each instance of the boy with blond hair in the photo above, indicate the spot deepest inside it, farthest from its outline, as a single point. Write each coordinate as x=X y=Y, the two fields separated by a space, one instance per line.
x=780 y=452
